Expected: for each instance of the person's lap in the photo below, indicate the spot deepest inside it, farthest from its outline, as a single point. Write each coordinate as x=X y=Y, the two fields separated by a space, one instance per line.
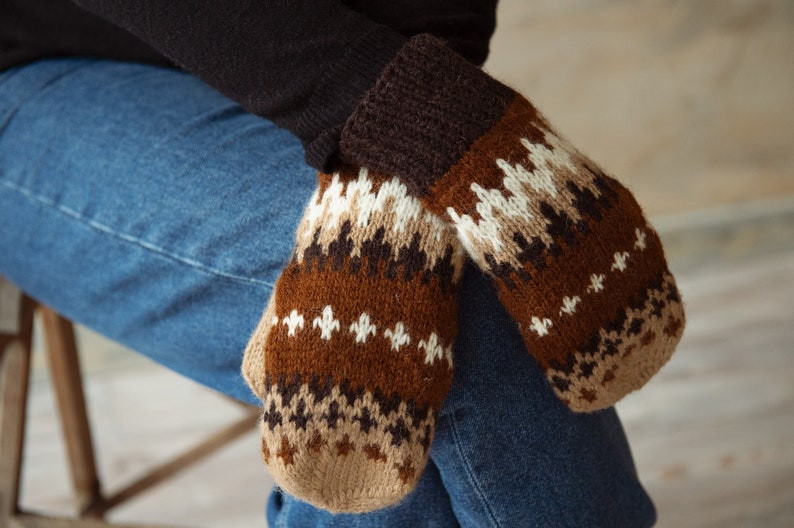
x=141 y=203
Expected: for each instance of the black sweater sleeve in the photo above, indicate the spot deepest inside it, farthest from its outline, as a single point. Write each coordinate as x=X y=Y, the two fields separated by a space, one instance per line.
x=302 y=64
x=465 y=26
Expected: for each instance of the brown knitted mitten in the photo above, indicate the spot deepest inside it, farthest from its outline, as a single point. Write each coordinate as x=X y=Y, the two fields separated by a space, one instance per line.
x=574 y=260
x=352 y=357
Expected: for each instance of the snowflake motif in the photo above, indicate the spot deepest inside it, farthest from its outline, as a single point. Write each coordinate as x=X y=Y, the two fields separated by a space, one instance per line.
x=433 y=349
x=596 y=283
x=640 y=243
x=397 y=336
x=620 y=261
x=327 y=323
x=569 y=304
x=541 y=326
x=294 y=321
x=448 y=355
x=363 y=328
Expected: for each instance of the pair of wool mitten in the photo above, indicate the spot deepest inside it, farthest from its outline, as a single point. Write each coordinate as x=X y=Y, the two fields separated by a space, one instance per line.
x=352 y=358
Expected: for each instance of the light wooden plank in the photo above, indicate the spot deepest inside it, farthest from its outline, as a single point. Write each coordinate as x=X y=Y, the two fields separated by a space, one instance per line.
x=26 y=520
x=713 y=434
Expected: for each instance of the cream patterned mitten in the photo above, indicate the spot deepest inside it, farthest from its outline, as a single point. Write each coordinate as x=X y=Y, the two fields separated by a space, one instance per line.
x=353 y=355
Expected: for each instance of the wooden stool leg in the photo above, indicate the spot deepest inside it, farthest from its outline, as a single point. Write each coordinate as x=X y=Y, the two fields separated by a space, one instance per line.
x=16 y=316
x=16 y=328
x=67 y=383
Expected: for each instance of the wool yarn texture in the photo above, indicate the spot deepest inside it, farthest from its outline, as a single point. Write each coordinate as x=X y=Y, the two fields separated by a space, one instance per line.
x=572 y=256
x=353 y=356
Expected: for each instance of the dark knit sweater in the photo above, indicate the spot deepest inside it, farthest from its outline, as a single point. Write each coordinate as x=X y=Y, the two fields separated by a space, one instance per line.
x=303 y=65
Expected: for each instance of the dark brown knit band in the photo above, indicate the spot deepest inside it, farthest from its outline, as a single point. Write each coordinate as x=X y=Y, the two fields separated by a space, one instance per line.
x=320 y=126
x=425 y=110
x=399 y=372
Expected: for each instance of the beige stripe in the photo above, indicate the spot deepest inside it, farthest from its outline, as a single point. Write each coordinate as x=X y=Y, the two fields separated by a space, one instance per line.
x=344 y=467
x=370 y=205
x=497 y=188
x=638 y=357
x=585 y=271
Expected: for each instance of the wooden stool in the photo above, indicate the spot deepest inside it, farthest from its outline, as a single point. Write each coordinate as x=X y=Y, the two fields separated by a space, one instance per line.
x=16 y=327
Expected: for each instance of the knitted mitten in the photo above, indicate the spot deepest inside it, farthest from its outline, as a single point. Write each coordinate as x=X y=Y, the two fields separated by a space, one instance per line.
x=352 y=357
x=573 y=258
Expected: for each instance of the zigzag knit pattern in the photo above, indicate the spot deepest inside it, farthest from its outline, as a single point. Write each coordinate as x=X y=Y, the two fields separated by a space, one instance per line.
x=352 y=357
x=573 y=258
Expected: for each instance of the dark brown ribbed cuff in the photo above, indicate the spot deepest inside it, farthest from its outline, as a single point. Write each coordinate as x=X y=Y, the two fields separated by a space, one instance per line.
x=427 y=107
x=340 y=91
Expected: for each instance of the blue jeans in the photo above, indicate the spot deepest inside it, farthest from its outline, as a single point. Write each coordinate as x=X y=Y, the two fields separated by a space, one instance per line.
x=143 y=204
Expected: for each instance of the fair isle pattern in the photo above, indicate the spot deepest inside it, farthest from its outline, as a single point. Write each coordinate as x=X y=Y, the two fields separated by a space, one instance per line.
x=568 y=247
x=353 y=356
x=598 y=285
x=519 y=208
x=307 y=426
x=621 y=359
x=363 y=330
x=365 y=208
x=572 y=256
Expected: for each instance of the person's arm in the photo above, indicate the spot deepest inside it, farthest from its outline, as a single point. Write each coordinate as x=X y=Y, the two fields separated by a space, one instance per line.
x=465 y=26
x=303 y=65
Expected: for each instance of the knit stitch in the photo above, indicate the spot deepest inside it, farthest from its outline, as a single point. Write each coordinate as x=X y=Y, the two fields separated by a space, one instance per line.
x=352 y=358
x=571 y=254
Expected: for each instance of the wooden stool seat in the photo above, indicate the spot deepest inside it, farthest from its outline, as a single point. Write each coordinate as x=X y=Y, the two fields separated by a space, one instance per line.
x=16 y=328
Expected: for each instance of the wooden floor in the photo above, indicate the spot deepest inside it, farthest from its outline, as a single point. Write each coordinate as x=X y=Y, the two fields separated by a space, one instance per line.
x=691 y=104
x=713 y=434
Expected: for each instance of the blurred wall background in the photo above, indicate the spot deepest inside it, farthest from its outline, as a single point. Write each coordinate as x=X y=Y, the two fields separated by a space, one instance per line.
x=690 y=102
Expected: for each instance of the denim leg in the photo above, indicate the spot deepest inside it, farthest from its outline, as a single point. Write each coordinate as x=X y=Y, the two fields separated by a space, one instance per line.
x=428 y=506
x=510 y=453
x=143 y=204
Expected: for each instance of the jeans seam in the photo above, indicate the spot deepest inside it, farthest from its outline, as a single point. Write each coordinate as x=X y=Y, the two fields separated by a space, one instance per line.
x=470 y=472
x=15 y=109
x=93 y=224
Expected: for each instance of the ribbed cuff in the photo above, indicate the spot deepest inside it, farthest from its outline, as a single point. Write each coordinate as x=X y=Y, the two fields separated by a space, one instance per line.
x=425 y=110
x=340 y=92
